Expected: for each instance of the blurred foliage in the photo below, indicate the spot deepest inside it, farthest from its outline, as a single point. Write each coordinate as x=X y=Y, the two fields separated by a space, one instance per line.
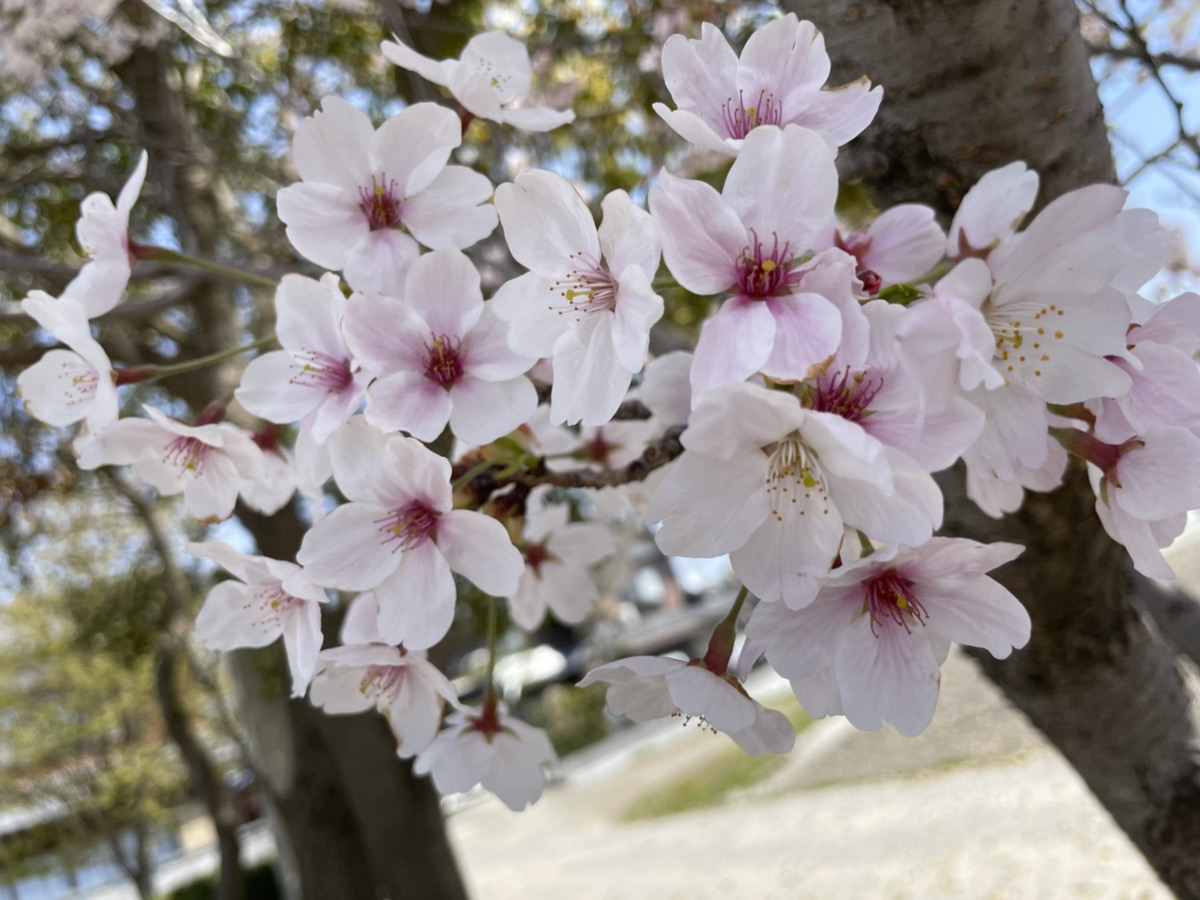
x=85 y=749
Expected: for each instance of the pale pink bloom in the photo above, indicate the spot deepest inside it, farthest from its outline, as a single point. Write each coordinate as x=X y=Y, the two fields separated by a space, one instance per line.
x=314 y=376
x=778 y=80
x=558 y=555
x=587 y=299
x=1014 y=451
x=270 y=598
x=103 y=232
x=367 y=196
x=1143 y=496
x=948 y=335
x=499 y=751
x=206 y=463
x=400 y=536
x=366 y=673
x=313 y=469
x=651 y=687
x=998 y=496
x=439 y=355
x=1166 y=380
x=65 y=386
x=1058 y=306
x=609 y=446
x=778 y=197
x=278 y=482
x=775 y=485
x=992 y=210
x=900 y=245
x=886 y=394
x=872 y=643
x=666 y=388
x=489 y=80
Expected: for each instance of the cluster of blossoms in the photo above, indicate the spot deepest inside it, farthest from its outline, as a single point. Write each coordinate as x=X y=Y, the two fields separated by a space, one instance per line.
x=839 y=369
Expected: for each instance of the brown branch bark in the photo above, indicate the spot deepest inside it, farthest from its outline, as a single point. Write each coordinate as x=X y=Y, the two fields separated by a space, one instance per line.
x=971 y=85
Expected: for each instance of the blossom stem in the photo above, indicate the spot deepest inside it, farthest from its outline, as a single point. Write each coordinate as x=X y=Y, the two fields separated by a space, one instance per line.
x=155 y=373
x=720 y=645
x=162 y=254
x=490 y=696
x=1088 y=447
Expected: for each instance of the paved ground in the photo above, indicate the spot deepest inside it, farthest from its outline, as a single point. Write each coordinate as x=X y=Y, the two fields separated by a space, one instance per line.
x=977 y=807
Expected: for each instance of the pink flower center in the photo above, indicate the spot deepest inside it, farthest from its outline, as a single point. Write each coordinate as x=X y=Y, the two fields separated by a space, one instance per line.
x=187 y=455
x=588 y=288
x=79 y=385
x=857 y=244
x=599 y=449
x=891 y=597
x=760 y=274
x=443 y=362
x=537 y=555
x=382 y=681
x=846 y=395
x=741 y=119
x=273 y=606
x=408 y=527
x=320 y=370
x=380 y=203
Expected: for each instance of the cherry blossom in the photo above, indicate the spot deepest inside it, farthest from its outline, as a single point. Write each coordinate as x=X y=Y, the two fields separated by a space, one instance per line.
x=900 y=245
x=775 y=484
x=1144 y=488
x=992 y=210
x=314 y=376
x=872 y=643
x=587 y=299
x=207 y=462
x=67 y=386
x=489 y=79
x=280 y=476
x=651 y=687
x=367 y=196
x=491 y=748
x=1058 y=307
x=269 y=599
x=722 y=98
x=366 y=673
x=778 y=197
x=103 y=232
x=439 y=355
x=1165 y=380
x=558 y=556
x=399 y=536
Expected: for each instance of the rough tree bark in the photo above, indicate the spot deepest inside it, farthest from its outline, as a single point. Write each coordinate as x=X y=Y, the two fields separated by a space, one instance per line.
x=971 y=85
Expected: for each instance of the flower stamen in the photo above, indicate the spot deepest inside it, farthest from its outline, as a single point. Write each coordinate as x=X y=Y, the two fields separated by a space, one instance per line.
x=380 y=203
x=408 y=527
x=740 y=120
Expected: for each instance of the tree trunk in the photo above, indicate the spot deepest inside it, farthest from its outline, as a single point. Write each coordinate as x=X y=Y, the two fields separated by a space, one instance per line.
x=969 y=86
